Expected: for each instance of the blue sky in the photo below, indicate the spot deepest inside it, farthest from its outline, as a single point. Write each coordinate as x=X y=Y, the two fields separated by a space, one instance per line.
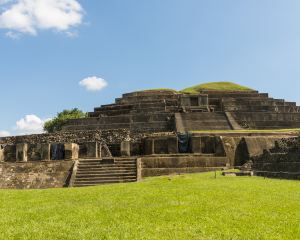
x=139 y=44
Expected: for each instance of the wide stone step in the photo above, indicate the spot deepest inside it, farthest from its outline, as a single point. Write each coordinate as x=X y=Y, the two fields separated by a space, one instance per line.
x=87 y=184
x=107 y=174
x=103 y=168
x=107 y=169
x=107 y=165
x=104 y=178
x=129 y=171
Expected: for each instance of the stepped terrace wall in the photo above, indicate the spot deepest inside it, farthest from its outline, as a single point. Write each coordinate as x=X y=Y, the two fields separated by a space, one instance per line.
x=267 y=120
x=282 y=161
x=179 y=164
x=240 y=149
x=108 y=136
x=50 y=174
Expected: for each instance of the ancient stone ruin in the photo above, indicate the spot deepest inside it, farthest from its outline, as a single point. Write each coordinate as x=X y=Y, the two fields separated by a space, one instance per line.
x=152 y=133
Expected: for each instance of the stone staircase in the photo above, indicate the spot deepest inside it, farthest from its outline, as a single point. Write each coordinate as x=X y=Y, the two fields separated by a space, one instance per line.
x=92 y=172
x=195 y=121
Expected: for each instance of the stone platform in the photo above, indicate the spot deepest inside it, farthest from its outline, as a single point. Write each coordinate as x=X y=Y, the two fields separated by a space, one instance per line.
x=164 y=111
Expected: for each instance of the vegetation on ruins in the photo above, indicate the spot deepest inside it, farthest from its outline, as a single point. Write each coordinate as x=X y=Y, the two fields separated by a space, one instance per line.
x=218 y=86
x=194 y=206
x=215 y=86
x=61 y=118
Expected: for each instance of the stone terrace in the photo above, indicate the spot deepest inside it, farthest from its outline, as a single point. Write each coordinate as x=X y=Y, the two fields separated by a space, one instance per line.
x=167 y=111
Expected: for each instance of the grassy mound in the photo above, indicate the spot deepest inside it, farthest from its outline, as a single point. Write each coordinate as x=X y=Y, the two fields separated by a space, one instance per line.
x=195 y=206
x=217 y=86
x=158 y=90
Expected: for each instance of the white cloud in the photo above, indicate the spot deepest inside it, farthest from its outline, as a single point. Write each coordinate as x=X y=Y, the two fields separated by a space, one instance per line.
x=30 y=16
x=4 y=133
x=30 y=124
x=93 y=83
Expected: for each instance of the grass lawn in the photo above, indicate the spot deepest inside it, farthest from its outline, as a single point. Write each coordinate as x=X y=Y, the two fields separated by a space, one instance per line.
x=194 y=206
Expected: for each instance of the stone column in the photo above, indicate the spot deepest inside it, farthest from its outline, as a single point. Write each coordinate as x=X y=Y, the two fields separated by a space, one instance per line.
x=45 y=151
x=138 y=169
x=125 y=148
x=196 y=144
x=149 y=146
x=1 y=153
x=71 y=151
x=21 y=152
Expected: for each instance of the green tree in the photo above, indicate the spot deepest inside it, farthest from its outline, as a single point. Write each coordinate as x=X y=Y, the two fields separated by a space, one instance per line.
x=61 y=119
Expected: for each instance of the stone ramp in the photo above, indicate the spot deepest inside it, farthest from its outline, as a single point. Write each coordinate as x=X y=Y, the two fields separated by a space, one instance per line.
x=196 y=121
x=233 y=123
x=178 y=123
x=92 y=172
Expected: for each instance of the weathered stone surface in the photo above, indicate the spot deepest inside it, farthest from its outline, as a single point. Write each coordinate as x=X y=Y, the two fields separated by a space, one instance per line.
x=38 y=152
x=71 y=151
x=10 y=153
x=21 y=152
x=1 y=153
x=107 y=136
x=281 y=161
x=35 y=174
x=172 y=145
x=196 y=146
x=125 y=148
x=89 y=150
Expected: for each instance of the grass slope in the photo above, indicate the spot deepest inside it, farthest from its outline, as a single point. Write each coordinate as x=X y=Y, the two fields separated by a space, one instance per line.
x=218 y=86
x=194 y=206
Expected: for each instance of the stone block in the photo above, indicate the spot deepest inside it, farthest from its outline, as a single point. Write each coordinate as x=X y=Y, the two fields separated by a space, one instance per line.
x=71 y=151
x=136 y=148
x=45 y=150
x=89 y=150
x=57 y=151
x=38 y=152
x=10 y=153
x=33 y=152
x=1 y=153
x=161 y=146
x=125 y=148
x=208 y=145
x=149 y=146
x=172 y=145
x=196 y=145
x=21 y=152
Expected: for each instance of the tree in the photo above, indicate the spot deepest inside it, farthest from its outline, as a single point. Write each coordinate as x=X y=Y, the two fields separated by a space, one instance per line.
x=61 y=119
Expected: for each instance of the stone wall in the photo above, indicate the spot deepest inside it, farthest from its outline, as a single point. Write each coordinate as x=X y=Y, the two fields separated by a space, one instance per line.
x=107 y=136
x=241 y=149
x=47 y=174
x=281 y=161
x=180 y=164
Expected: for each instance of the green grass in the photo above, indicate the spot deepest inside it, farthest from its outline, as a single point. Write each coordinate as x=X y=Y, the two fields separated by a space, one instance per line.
x=219 y=86
x=158 y=89
x=194 y=206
